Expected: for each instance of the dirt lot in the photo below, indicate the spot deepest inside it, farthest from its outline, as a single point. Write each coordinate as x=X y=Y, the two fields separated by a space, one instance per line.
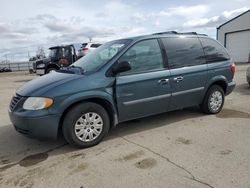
x=177 y=149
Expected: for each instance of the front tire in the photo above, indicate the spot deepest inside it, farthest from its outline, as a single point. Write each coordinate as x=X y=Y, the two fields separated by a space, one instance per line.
x=51 y=69
x=85 y=125
x=214 y=100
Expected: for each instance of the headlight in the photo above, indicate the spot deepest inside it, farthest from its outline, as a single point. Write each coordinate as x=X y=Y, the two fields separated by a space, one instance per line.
x=41 y=65
x=37 y=103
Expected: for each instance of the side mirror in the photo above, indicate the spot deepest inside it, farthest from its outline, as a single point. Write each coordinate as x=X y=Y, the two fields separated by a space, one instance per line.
x=122 y=66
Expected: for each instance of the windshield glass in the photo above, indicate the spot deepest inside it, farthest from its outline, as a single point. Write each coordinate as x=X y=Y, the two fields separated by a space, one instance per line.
x=52 y=53
x=99 y=57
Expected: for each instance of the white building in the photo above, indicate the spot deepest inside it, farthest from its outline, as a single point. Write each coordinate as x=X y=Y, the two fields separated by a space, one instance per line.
x=235 y=36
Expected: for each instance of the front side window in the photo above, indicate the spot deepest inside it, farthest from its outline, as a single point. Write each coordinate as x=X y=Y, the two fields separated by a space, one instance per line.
x=214 y=51
x=143 y=56
x=95 y=45
x=183 y=52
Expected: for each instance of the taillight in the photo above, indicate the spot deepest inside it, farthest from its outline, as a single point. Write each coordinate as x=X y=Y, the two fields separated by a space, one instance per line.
x=232 y=68
x=85 y=49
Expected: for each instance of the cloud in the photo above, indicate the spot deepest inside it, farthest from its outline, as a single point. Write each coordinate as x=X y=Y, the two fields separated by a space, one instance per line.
x=12 y=31
x=182 y=11
x=186 y=11
x=157 y=23
x=139 y=17
x=79 y=35
x=232 y=13
x=43 y=17
x=76 y=21
x=11 y=35
x=101 y=15
x=214 y=21
x=57 y=27
x=4 y=28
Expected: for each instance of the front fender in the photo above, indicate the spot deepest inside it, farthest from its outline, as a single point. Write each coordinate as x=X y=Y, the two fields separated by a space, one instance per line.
x=52 y=64
x=64 y=102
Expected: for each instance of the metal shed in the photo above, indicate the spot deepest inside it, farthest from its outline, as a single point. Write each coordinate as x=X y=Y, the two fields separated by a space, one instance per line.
x=235 y=36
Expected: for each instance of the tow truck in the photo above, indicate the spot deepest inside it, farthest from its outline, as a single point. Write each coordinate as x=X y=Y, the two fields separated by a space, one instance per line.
x=59 y=56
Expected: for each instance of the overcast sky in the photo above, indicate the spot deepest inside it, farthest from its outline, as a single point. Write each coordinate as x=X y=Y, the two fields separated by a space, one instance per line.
x=29 y=23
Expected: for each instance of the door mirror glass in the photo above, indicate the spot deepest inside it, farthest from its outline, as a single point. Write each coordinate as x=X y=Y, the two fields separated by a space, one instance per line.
x=121 y=67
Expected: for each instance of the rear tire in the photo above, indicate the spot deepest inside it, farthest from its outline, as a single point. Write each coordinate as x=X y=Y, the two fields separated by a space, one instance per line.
x=85 y=125
x=214 y=100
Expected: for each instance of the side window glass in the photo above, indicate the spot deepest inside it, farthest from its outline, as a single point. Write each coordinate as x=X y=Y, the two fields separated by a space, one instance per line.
x=67 y=52
x=95 y=45
x=143 y=56
x=214 y=51
x=183 y=52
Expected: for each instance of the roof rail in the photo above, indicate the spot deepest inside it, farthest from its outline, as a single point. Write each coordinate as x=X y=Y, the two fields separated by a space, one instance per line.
x=177 y=33
x=166 y=32
x=189 y=33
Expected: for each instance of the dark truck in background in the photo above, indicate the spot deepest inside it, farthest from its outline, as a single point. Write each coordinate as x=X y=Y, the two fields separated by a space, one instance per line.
x=59 y=56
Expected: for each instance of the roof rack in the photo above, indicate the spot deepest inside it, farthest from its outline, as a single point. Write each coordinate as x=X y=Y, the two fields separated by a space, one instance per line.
x=166 y=32
x=177 y=33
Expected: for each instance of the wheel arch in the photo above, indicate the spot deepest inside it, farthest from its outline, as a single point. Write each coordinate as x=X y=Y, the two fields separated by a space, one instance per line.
x=106 y=104
x=220 y=81
x=51 y=65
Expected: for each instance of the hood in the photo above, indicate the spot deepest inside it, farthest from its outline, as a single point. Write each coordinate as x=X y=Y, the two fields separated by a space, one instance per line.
x=44 y=60
x=41 y=85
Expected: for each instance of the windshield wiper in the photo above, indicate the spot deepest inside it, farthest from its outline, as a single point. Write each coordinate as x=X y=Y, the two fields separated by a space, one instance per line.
x=72 y=70
x=78 y=67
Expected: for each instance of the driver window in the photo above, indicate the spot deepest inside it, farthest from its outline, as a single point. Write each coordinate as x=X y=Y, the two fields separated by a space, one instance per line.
x=143 y=56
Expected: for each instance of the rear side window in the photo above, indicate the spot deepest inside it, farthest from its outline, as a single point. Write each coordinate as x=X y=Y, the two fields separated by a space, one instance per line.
x=144 y=56
x=214 y=52
x=84 y=45
x=183 y=52
x=95 y=45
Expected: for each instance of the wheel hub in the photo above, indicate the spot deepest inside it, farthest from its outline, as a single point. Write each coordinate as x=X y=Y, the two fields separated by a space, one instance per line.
x=88 y=127
x=215 y=101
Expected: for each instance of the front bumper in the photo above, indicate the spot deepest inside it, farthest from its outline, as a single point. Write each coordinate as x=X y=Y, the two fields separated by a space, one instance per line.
x=36 y=127
x=40 y=71
x=230 y=88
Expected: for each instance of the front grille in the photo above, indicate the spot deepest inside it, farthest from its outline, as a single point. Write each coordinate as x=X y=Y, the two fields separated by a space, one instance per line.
x=14 y=101
x=34 y=65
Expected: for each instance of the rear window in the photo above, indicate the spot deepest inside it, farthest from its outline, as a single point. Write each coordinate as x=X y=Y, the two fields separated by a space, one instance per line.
x=95 y=45
x=183 y=52
x=214 y=51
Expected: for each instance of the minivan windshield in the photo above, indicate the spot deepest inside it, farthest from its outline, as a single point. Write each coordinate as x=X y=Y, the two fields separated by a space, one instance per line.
x=99 y=57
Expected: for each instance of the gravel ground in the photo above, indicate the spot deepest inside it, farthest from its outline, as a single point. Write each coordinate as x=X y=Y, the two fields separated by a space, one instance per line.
x=178 y=149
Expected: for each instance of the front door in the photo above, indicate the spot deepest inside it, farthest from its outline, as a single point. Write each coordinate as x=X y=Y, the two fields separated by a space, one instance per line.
x=145 y=89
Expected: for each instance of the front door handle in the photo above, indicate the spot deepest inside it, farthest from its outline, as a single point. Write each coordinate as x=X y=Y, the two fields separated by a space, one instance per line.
x=163 y=81
x=178 y=79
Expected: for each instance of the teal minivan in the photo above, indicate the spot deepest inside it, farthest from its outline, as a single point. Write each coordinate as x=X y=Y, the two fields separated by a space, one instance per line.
x=123 y=80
